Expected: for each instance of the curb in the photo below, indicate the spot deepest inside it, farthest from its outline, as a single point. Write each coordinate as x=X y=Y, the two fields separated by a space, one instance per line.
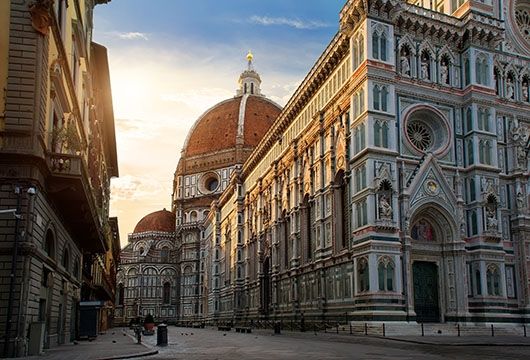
x=450 y=344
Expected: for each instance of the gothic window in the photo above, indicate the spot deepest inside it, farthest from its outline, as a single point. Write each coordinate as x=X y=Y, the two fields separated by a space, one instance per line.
x=469 y=120
x=383 y=44
x=166 y=293
x=360 y=45
x=385 y=272
x=473 y=225
x=193 y=216
x=362 y=216
x=493 y=280
x=358 y=51
x=384 y=98
x=375 y=45
x=363 y=276
x=149 y=283
x=470 y=152
x=120 y=294
x=485 y=152
x=483 y=119
x=360 y=178
x=359 y=138
x=132 y=283
x=472 y=191
x=377 y=97
x=381 y=134
x=478 y=282
x=481 y=70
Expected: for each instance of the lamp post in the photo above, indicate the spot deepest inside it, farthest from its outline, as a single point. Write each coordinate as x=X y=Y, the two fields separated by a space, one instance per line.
x=12 y=276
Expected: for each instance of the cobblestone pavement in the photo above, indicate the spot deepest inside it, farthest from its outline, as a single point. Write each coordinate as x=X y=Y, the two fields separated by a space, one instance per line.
x=116 y=343
x=194 y=344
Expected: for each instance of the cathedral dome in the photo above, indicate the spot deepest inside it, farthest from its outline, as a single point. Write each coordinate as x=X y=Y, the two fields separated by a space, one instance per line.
x=161 y=220
x=241 y=120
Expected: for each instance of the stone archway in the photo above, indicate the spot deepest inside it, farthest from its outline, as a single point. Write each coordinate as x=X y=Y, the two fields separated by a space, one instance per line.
x=436 y=266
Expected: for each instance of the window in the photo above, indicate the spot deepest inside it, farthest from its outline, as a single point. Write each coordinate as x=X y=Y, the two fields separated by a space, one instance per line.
x=375 y=45
x=469 y=119
x=473 y=226
x=164 y=254
x=470 y=152
x=472 y=191
x=483 y=119
x=363 y=276
x=380 y=98
x=362 y=216
x=493 y=280
x=66 y=259
x=340 y=202
x=385 y=272
x=384 y=98
x=360 y=178
x=478 y=282
x=307 y=228
x=49 y=244
x=359 y=138
x=166 y=294
x=377 y=97
x=467 y=77
x=485 y=152
x=381 y=134
x=383 y=46
x=481 y=70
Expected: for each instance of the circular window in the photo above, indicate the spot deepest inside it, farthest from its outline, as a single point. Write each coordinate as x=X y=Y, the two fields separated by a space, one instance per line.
x=426 y=130
x=420 y=135
x=209 y=183
x=522 y=19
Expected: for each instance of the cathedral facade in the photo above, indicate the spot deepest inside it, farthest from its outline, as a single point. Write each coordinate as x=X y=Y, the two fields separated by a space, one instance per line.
x=393 y=185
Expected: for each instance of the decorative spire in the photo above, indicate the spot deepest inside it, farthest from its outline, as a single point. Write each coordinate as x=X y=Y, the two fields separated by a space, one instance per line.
x=249 y=80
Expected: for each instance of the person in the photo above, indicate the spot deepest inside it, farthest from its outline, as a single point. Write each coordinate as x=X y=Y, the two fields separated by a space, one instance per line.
x=444 y=72
x=424 y=69
x=509 y=88
x=385 y=208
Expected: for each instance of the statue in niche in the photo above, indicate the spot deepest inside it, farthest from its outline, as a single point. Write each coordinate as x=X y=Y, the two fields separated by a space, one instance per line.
x=491 y=218
x=425 y=67
x=444 y=72
x=520 y=139
x=520 y=200
x=385 y=209
x=422 y=231
x=404 y=62
x=510 y=90
x=525 y=90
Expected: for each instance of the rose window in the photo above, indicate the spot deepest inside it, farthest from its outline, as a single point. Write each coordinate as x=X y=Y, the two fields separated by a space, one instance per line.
x=522 y=18
x=420 y=135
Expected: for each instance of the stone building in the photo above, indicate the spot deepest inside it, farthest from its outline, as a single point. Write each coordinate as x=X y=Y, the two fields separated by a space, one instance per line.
x=147 y=274
x=57 y=155
x=394 y=183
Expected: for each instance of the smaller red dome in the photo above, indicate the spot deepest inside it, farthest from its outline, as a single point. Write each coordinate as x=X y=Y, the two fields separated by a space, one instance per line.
x=161 y=220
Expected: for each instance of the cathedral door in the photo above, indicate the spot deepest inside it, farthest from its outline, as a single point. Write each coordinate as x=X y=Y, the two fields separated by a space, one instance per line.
x=426 y=304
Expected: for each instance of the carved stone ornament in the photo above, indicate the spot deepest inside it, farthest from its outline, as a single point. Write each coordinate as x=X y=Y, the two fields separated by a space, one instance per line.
x=520 y=136
x=40 y=15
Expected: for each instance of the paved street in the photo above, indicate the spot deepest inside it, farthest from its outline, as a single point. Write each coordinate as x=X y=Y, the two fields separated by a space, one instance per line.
x=187 y=343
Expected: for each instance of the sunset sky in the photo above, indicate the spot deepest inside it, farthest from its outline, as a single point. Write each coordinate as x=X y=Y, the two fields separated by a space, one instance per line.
x=171 y=60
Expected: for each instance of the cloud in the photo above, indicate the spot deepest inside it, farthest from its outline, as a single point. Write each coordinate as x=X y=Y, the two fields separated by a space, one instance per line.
x=296 y=23
x=130 y=187
x=132 y=35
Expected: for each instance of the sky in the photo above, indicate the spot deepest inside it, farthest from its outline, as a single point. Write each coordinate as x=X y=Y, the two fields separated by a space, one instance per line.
x=171 y=60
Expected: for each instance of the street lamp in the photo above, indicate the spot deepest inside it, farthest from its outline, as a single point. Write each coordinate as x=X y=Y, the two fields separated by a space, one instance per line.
x=31 y=191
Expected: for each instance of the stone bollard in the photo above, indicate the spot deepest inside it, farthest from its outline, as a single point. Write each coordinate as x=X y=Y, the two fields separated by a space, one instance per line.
x=161 y=335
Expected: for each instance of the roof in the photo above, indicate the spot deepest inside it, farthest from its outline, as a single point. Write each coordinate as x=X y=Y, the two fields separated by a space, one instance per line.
x=161 y=220
x=243 y=119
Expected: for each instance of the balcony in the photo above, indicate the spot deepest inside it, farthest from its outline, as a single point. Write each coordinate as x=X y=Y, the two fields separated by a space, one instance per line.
x=69 y=189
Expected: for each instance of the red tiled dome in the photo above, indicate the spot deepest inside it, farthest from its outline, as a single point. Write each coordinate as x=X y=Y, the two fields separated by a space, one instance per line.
x=161 y=220
x=218 y=128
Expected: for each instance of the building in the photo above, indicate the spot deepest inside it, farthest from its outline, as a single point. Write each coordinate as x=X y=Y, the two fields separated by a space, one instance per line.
x=57 y=156
x=393 y=186
x=147 y=275
x=394 y=183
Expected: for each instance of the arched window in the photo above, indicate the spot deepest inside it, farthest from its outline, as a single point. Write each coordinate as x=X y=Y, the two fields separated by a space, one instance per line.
x=360 y=43
x=467 y=75
x=469 y=119
x=493 y=280
x=76 y=268
x=485 y=152
x=385 y=271
x=383 y=46
x=375 y=45
x=359 y=138
x=363 y=282
x=473 y=226
x=132 y=283
x=340 y=210
x=355 y=53
x=252 y=88
x=49 y=244
x=377 y=97
x=285 y=238
x=478 y=282
x=384 y=98
x=120 y=294
x=377 y=133
x=497 y=77
x=166 y=294
x=149 y=283
x=483 y=119
x=470 y=152
x=66 y=259
x=164 y=254
x=193 y=216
